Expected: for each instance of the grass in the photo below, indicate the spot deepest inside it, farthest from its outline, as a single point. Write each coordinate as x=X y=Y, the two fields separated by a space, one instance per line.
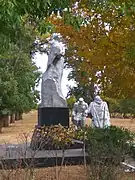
x=67 y=173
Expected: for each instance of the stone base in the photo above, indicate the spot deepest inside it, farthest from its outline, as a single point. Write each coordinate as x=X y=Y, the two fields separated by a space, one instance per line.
x=40 y=159
x=52 y=116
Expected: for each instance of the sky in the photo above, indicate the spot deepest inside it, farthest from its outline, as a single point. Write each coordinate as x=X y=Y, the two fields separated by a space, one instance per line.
x=41 y=62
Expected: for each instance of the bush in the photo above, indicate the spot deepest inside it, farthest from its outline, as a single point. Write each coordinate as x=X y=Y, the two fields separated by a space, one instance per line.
x=107 y=148
x=128 y=106
x=114 y=105
x=70 y=102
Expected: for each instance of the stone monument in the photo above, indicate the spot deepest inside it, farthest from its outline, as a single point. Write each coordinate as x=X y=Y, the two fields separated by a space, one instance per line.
x=53 y=108
x=99 y=113
x=79 y=113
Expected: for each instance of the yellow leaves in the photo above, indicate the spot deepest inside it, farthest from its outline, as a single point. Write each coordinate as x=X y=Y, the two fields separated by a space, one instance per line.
x=45 y=36
x=105 y=41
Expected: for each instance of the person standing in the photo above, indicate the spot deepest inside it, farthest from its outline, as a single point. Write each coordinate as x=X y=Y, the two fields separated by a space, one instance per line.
x=99 y=112
x=79 y=113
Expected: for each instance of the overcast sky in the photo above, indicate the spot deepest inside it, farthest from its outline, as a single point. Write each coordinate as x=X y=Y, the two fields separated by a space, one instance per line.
x=41 y=62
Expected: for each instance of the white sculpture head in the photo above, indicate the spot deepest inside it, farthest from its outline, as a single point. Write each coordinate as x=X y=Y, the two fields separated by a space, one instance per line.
x=57 y=42
x=97 y=99
x=81 y=100
x=56 y=36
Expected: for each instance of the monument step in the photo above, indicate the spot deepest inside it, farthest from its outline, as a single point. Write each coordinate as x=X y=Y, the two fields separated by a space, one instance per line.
x=16 y=157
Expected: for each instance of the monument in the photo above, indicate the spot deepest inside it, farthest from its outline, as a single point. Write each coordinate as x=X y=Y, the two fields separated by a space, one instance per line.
x=79 y=113
x=99 y=113
x=53 y=108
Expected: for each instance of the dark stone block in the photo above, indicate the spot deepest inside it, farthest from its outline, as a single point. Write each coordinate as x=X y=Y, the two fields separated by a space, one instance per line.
x=53 y=116
x=40 y=162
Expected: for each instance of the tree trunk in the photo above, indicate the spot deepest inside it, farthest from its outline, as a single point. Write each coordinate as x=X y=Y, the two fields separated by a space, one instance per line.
x=6 y=121
x=17 y=116
x=20 y=115
x=1 y=123
x=125 y=115
x=12 y=118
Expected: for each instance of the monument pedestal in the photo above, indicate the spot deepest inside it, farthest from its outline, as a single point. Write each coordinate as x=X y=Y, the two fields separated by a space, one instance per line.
x=53 y=115
x=48 y=116
x=53 y=108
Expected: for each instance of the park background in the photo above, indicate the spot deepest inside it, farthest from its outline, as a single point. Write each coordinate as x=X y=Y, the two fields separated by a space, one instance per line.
x=100 y=36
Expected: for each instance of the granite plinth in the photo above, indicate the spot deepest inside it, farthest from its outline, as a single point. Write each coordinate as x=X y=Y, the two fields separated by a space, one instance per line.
x=53 y=116
x=21 y=157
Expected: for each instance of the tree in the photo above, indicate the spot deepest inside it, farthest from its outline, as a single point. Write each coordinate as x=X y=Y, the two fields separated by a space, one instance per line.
x=105 y=44
x=21 y=22
x=70 y=101
x=127 y=107
x=84 y=91
x=13 y=11
x=8 y=90
x=19 y=77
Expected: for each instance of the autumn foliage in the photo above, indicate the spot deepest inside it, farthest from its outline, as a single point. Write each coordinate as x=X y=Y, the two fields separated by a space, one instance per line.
x=105 y=42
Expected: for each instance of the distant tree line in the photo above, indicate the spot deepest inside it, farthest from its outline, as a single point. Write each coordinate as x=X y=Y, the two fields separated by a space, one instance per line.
x=124 y=107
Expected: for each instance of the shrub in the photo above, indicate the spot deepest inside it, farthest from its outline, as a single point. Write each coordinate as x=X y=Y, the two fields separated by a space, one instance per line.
x=107 y=148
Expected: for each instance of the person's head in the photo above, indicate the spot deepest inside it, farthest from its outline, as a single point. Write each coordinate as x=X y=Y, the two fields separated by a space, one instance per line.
x=56 y=37
x=81 y=100
x=97 y=99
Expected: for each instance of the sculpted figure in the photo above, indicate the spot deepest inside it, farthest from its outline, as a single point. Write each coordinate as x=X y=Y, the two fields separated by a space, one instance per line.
x=51 y=93
x=98 y=110
x=79 y=113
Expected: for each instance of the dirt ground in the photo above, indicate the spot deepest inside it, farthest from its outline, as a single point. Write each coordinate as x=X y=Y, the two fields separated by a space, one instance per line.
x=66 y=173
x=55 y=173
x=22 y=129
x=17 y=132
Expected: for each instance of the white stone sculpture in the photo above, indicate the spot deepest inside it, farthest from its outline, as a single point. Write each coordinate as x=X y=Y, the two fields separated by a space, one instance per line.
x=98 y=110
x=51 y=93
x=79 y=113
